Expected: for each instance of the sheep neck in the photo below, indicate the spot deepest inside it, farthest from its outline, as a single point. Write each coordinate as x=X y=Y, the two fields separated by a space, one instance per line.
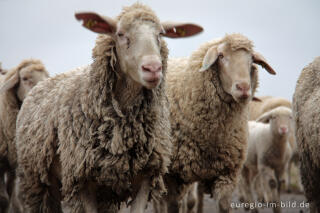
x=276 y=150
x=126 y=91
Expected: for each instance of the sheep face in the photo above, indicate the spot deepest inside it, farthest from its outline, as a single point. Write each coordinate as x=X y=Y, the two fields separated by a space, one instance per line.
x=235 y=68
x=23 y=78
x=28 y=78
x=137 y=34
x=138 y=48
x=280 y=119
x=234 y=59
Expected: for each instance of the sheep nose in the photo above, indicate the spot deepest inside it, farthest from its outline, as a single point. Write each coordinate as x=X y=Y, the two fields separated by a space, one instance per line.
x=283 y=130
x=243 y=87
x=152 y=67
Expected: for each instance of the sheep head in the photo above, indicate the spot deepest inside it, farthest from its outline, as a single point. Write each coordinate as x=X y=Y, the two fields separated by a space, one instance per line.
x=24 y=77
x=138 y=34
x=235 y=60
x=280 y=120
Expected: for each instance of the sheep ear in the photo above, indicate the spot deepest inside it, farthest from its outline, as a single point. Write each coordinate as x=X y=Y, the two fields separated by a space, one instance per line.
x=259 y=59
x=209 y=59
x=264 y=118
x=180 y=30
x=10 y=83
x=97 y=23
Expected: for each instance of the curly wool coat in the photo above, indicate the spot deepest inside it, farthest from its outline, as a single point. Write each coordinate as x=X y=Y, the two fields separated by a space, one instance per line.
x=209 y=128
x=76 y=119
x=9 y=109
x=306 y=112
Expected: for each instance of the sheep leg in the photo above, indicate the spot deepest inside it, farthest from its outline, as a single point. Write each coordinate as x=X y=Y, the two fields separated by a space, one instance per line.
x=15 y=205
x=3 y=193
x=200 y=198
x=160 y=206
x=192 y=199
x=224 y=204
x=140 y=202
x=174 y=206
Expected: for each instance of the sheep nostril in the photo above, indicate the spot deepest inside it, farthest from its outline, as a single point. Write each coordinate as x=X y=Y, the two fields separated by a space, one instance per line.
x=146 y=69
x=243 y=87
x=152 y=67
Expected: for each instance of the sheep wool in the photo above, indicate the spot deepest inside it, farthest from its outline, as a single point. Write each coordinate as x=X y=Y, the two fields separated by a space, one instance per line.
x=9 y=108
x=75 y=119
x=209 y=128
x=306 y=114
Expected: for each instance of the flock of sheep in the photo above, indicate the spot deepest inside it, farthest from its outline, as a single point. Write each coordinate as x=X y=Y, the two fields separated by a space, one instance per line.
x=135 y=126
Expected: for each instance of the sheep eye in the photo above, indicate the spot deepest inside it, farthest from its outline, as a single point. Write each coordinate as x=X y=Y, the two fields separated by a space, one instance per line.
x=221 y=56
x=120 y=34
x=24 y=78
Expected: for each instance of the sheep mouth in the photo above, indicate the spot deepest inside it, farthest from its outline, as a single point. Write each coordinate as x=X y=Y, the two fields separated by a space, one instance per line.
x=152 y=83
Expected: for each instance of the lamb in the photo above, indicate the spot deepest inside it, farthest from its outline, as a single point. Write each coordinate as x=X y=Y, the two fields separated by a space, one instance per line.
x=306 y=115
x=14 y=87
x=208 y=115
x=265 y=104
x=269 y=153
x=101 y=132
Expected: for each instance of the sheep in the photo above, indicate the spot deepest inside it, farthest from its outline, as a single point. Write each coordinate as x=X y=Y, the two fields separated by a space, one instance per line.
x=14 y=87
x=267 y=103
x=208 y=115
x=269 y=153
x=100 y=135
x=306 y=116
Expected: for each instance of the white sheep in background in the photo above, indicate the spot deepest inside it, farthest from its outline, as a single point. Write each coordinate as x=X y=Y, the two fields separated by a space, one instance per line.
x=14 y=87
x=102 y=131
x=265 y=104
x=306 y=111
x=268 y=156
x=209 y=94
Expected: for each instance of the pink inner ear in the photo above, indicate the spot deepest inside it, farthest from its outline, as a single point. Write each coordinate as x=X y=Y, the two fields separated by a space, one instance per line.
x=184 y=30
x=94 y=22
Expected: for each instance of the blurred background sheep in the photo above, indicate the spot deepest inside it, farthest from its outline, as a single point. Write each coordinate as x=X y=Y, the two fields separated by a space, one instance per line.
x=14 y=87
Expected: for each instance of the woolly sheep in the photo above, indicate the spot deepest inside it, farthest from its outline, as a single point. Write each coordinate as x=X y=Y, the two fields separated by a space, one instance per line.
x=306 y=115
x=14 y=87
x=269 y=153
x=208 y=108
x=267 y=103
x=102 y=131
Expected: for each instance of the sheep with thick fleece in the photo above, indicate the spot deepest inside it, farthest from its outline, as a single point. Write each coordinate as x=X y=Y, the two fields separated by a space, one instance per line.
x=101 y=132
x=306 y=113
x=269 y=153
x=14 y=87
x=209 y=95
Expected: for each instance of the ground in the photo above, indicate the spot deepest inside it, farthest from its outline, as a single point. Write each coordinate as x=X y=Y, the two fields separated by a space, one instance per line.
x=292 y=203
